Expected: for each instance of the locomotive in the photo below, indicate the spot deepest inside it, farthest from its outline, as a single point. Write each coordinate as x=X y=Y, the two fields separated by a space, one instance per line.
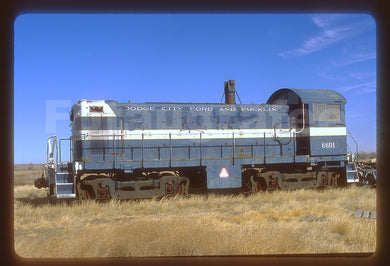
x=144 y=150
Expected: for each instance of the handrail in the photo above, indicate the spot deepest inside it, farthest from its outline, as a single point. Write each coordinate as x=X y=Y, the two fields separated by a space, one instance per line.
x=234 y=146
x=114 y=148
x=265 y=150
x=294 y=146
x=200 y=148
x=105 y=135
x=303 y=117
x=170 y=150
x=50 y=149
x=70 y=148
x=142 y=163
x=357 y=149
x=143 y=148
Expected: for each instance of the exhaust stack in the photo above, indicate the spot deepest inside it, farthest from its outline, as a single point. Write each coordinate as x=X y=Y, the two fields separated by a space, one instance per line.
x=230 y=92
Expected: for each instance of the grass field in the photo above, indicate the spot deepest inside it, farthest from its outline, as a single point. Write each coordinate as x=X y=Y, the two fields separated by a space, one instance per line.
x=201 y=225
x=24 y=174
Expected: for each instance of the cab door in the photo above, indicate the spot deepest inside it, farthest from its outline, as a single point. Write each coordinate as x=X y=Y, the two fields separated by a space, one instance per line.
x=299 y=115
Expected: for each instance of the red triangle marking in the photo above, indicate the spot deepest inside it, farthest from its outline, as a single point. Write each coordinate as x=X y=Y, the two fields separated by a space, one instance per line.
x=224 y=173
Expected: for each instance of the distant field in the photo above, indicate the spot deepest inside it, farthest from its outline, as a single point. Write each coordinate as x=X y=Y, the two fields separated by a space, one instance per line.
x=24 y=174
x=201 y=225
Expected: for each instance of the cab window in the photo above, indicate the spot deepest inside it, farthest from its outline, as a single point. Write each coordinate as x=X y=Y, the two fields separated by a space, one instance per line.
x=326 y=112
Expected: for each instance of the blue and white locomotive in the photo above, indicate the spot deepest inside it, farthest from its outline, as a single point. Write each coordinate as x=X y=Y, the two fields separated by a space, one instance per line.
x=141 y=150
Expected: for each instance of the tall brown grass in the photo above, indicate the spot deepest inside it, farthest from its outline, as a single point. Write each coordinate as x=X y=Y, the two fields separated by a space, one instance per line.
x=265 y=223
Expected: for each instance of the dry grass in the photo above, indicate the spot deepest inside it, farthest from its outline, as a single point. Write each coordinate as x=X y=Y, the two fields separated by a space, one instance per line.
x=266 y=223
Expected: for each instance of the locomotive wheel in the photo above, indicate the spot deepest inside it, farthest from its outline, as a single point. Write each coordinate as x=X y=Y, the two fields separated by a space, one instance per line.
x=170 y=188
x=259 y=188
x=257 y=185
x=91 y=188
x=334 y=179
x=85 y=192
x=327 y=179
x=182 y=189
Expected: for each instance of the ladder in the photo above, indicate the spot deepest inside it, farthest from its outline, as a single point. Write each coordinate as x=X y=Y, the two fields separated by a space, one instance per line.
x=64 y=183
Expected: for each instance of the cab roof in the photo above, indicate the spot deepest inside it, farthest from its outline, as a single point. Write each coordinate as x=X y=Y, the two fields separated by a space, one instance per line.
x=299 y=96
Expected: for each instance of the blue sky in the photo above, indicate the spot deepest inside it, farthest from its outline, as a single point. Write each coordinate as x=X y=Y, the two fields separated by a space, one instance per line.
x=61 y=58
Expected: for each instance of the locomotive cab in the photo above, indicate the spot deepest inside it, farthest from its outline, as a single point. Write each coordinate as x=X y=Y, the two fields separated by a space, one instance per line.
x=319 y=120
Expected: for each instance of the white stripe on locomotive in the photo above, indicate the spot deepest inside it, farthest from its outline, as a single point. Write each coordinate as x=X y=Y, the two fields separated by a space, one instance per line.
x=206 y=133
x=328 y=131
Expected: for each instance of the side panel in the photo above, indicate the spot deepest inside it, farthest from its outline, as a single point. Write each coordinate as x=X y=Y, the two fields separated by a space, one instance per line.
x=223 y=174
x=178 y=151
x=328 y=145
x=218 y=137
x=328 y=141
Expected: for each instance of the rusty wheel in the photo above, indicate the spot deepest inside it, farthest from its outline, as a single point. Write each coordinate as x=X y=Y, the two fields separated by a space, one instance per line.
x=324 y=179
x=183 y=188
x=170 y=188
x=180 y=189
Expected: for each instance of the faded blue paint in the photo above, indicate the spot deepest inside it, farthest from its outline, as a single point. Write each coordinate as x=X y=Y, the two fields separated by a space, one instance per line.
x=312 y=99
x=214 y=169
x=214 y=154
x=299 y=96
x=328 y=145
x=186 y=117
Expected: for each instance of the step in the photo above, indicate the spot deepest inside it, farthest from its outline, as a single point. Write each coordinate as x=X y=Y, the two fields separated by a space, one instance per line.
x=64 y=188
x=63 y=178
x=64 y=168
x=352 y=176
x=66 y=196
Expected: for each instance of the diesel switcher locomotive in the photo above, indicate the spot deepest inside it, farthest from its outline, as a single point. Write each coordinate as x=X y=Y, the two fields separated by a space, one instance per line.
x=143 y=150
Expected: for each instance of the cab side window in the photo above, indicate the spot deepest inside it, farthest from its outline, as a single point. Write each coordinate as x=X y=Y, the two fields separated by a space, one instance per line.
x=326 y=112
x=333 y=112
